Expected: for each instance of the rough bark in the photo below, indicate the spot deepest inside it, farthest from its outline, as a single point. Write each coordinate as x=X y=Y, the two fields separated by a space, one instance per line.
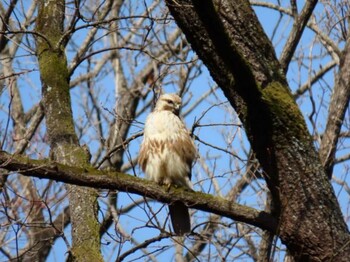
x=229 y=39
x=60 y=128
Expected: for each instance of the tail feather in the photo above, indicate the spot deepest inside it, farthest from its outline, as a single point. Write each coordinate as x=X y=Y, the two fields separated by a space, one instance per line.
x=180 y=218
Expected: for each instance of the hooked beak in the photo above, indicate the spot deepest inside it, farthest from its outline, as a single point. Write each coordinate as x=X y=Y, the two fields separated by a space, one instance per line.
x=177 y=109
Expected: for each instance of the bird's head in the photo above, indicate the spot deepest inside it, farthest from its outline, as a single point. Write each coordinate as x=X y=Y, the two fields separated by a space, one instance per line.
x=169 y=102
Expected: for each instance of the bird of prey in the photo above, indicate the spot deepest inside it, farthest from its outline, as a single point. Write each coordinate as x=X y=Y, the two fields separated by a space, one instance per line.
x=167 y=153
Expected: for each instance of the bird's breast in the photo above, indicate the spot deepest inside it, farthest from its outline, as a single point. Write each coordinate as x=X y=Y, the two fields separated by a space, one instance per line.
x=163 y=125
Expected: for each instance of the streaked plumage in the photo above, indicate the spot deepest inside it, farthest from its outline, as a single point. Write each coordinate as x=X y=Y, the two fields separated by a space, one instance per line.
x=167 y=153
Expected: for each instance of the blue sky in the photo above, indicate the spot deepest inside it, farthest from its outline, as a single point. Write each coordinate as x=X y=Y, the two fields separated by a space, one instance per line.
x=223 y=166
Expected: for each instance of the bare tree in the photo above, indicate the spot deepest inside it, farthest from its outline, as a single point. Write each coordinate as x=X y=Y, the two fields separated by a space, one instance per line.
x=77 y=81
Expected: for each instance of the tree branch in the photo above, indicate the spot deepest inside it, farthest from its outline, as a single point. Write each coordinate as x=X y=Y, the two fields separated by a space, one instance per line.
x=5 y=21
x=329 y=44
x=314 y=78
x=130 y=184
x=296 y=33
x=336 y=113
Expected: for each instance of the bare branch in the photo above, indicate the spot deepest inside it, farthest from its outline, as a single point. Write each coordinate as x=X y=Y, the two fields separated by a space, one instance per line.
x=316 y=77
x=336 y=112
x=131 y=184
x=4 y=23
x=296 y=33
x=325 y=39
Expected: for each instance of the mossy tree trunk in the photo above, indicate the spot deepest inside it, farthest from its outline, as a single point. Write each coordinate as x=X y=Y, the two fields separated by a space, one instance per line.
x=64 y=143
x=231 y=42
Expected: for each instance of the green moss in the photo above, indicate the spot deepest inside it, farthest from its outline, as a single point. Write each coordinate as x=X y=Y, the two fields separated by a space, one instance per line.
x=53 y=67
x=50 y=16
x=78 y=155
x=52 y=60
x=87 y=251
x=54 y=74
x=286 y=115
x=87 y=241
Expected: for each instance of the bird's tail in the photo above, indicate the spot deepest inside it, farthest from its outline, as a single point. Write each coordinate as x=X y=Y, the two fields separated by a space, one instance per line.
x=180 y=218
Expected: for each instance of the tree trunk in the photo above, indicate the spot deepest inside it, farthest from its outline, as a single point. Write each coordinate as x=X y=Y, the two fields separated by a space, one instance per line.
x=229 y=39
x=64 y=143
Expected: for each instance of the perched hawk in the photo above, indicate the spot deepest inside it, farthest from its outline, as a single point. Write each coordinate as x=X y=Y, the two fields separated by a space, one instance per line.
x=167 y=153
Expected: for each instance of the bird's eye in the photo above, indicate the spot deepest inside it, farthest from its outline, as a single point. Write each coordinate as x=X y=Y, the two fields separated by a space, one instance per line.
x=170 y=102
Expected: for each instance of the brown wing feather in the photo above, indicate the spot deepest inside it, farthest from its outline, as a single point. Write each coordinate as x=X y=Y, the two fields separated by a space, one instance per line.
x=185 y=149
x=143 y=156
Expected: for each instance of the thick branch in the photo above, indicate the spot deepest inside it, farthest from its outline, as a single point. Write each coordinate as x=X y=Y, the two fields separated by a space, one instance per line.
x=338 y=105
x=296 y=33
x=130 y=184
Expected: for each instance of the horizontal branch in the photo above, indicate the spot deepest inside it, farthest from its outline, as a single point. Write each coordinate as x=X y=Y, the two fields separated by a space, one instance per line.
x=91 y=177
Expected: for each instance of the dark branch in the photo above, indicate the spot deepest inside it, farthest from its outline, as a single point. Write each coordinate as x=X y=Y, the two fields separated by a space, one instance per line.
x=297 y=31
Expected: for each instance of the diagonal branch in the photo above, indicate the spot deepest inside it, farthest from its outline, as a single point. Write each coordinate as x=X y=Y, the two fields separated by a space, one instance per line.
x=314 y=78
x=328 y=43
x=130 y=184
x=296 y=33
x=5 y=21
x=336 y=112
